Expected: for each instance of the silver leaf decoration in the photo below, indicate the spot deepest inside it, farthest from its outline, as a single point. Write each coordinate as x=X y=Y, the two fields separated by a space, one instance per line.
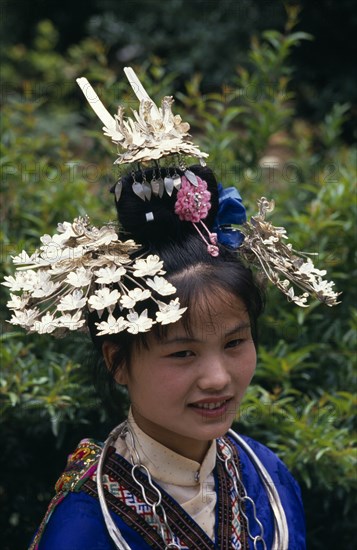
x=169 y=185
x=139 y=190
x=118 y=190
x=192 y=178
x=177 y=181
x=147 y=190
x=161 y=187
x=155 y=187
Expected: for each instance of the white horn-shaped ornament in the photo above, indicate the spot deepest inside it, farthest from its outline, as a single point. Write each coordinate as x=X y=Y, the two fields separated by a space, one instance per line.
x=139 y=90
x=96 y=104
x=153 y=133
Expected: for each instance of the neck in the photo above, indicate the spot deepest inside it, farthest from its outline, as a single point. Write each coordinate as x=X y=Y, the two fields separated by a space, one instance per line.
x=192 y=449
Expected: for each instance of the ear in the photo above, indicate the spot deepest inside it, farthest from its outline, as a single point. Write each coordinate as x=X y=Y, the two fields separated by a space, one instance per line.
x=110 y=351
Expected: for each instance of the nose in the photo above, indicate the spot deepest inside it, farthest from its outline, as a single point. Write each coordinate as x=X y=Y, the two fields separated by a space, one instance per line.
x=214 y=374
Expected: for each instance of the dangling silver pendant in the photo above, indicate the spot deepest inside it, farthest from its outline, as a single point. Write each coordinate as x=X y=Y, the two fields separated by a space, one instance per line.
x=118 y=190
x=155 y=187
x=192 y=178
x=139 y=190
x=147 y=190
x=161 y=187
x=177 y=181
x=169 y=185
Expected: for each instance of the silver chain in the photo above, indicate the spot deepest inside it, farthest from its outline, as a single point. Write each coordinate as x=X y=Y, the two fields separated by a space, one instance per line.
x=229 y=465
x=156 y=506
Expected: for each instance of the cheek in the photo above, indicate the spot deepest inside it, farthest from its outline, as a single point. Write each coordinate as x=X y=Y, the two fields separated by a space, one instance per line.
x=160 y=385
x=248 y=364
x=252 y=359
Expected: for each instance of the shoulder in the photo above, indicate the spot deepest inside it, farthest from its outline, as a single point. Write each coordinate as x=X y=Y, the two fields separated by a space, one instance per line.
x=81 y=464
x=74 y=519
x=250 y=448
x=58 y=528
x=76 y=523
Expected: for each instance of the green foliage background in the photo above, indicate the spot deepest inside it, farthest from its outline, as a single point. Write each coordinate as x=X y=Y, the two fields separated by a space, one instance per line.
x=55 y=165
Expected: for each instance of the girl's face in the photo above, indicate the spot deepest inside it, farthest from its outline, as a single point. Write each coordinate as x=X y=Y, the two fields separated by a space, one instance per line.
x=186 y=388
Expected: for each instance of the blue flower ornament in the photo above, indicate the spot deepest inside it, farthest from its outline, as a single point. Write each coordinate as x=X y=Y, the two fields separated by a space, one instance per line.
x=230 y=211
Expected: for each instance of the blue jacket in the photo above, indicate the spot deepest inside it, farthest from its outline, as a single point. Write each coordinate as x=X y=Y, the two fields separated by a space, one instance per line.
x=76 y=523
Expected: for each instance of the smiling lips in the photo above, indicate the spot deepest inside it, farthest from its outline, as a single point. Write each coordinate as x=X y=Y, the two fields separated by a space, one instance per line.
x=212 y=404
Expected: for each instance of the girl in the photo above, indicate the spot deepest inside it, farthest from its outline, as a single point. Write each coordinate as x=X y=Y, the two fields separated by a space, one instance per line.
x=175 y=320
x=174 y=476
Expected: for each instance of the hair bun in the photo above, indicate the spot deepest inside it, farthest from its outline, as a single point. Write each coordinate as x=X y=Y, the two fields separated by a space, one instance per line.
x=154 y=221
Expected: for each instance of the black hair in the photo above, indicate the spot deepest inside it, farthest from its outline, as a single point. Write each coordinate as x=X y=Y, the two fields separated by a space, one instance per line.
x=165 y=226
x=188 y=265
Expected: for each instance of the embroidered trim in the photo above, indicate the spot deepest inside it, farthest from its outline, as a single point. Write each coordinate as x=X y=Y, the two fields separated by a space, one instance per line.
x=132 y=514
x=239 y=526
x=124 y=498
x=81 y=464
x=189 y=533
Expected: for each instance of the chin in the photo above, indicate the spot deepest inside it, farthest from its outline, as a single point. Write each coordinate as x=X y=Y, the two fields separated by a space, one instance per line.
x=213 y=432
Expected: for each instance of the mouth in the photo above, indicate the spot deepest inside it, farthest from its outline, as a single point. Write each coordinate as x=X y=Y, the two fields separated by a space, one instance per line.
x=209 y=406
x=212 y=407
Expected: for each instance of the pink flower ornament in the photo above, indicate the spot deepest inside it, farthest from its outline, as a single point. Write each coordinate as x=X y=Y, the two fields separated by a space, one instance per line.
x=193 y=202
x=192 y=205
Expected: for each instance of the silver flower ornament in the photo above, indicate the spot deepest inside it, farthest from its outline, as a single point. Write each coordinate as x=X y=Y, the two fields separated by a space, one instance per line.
x=83 y=269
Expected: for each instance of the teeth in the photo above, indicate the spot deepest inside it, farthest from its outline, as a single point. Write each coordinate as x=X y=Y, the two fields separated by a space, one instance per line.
x=210 y=405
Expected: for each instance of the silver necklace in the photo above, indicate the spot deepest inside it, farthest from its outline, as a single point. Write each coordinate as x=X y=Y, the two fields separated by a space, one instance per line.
x=239 y=488
x=281 y=531
x=157 y=508
x=158 y=511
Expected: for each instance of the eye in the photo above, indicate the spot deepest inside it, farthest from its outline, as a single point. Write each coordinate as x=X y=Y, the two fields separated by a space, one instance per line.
x=234 y=343
x=184 y=353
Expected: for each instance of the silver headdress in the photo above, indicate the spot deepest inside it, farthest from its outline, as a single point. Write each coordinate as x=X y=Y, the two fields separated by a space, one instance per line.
x=82 y=269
